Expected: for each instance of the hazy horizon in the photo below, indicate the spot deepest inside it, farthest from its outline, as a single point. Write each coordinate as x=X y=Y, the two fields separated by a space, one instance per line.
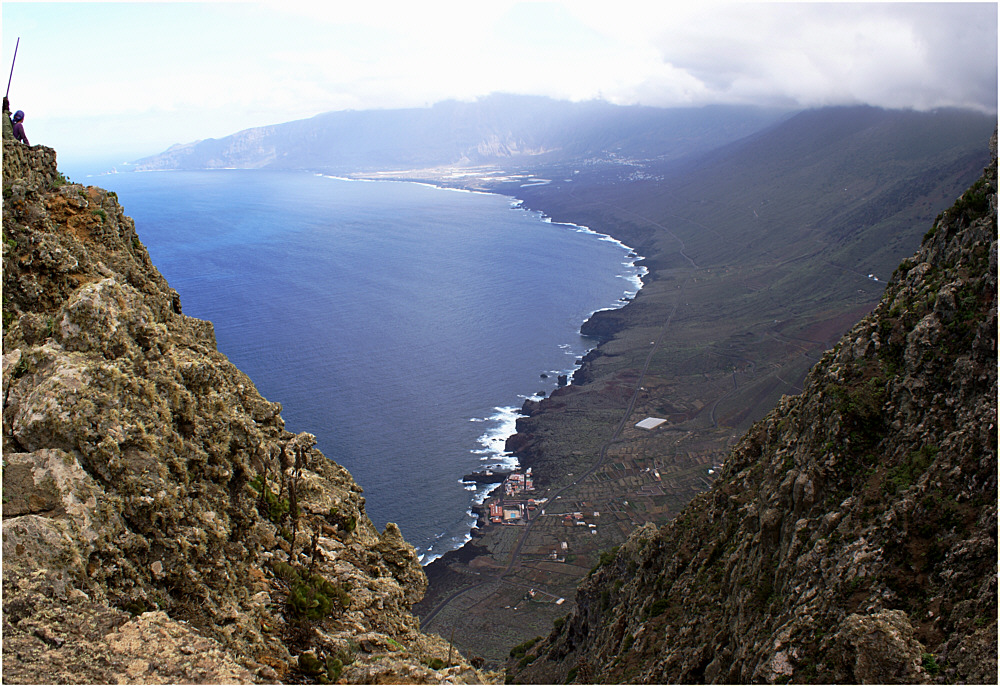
x=140 y=77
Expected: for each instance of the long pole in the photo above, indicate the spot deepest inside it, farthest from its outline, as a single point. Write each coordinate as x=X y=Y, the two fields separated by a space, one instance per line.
x=12 y=67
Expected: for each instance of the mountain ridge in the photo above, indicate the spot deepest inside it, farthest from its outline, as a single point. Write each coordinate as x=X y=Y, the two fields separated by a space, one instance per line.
x=498 y=129
x=852 y=535
x=764 y=299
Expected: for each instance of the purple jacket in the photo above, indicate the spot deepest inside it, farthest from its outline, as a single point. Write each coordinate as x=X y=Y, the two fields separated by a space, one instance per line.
x=19 y=133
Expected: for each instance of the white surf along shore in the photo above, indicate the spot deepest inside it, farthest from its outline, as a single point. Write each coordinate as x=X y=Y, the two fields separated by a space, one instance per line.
x=502 y=424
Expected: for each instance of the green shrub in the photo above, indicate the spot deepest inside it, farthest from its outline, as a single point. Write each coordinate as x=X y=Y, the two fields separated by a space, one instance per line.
x=975 y=202
x=526 y=660
x=311 y=596
x=326 y=671
x=930 y=663
x=345 y=522
x=658 y=608
x=22 y=367
x=309 y=663
x=522 y=648
x=269 y=504
x=606 y=557
x=334 y=667
x=904 y=475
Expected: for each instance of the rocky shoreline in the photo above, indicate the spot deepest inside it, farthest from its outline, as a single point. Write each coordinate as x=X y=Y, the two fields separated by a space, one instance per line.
x=737 y=343
x=601 y=325
x=515 y=445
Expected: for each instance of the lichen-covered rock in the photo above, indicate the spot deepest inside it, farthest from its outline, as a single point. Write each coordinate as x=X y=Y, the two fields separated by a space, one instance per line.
x=54 y=633
x=148 y=482
x=875 y=649
x=852 y=537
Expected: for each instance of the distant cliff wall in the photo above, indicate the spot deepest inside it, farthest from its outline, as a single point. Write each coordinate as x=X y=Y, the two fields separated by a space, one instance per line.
x=853 y=535
x=151 y=496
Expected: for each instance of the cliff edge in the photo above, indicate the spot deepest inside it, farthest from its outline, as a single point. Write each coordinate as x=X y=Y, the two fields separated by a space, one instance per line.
x=852 y=537
x=159 y=523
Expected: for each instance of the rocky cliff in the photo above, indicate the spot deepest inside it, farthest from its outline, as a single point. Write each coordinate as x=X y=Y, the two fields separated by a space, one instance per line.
x=159 y=523
x=852 y=537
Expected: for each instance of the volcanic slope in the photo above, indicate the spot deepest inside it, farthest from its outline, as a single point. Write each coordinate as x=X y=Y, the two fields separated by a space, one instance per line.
x=500 y=129
x=735 y=310
x=852 y=535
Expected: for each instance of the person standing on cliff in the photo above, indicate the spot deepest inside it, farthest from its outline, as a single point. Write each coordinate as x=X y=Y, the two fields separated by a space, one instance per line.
x=19 y=127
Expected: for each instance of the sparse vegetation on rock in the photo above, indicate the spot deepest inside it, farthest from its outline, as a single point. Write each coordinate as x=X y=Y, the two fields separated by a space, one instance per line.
x=151 y=495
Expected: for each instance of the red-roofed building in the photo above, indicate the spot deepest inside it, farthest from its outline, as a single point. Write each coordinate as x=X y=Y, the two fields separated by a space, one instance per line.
x=496 y=512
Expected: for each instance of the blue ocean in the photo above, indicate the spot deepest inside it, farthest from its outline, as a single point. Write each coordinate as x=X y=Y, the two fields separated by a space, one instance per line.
x=404 y=325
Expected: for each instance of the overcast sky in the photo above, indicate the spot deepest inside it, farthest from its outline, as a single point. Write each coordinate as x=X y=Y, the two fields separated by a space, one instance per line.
x=129 y=79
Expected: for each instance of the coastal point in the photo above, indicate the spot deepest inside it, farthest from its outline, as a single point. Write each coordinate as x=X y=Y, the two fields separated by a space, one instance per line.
x=500 y=343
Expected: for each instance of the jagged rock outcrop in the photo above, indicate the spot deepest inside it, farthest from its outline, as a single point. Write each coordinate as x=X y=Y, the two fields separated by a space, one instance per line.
x=853 y=535
x=159 y=523
x=603 y=325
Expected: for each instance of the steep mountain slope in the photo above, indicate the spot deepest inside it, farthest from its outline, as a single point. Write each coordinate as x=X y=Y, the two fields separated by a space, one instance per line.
x=759 y=262
x=153 y=498
x=852 y=535
x=505 y=129
x=847 y=181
